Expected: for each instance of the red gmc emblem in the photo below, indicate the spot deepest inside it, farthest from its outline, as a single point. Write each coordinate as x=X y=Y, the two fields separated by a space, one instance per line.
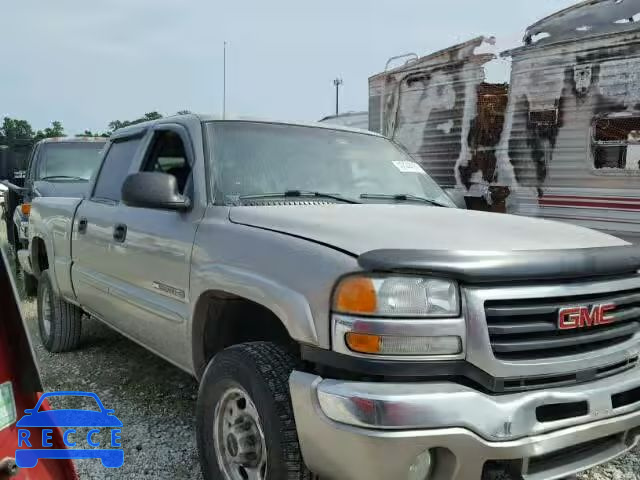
x=580 y=317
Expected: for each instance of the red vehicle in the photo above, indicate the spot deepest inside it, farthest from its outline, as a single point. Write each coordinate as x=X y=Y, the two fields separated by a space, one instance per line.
x=20 y=388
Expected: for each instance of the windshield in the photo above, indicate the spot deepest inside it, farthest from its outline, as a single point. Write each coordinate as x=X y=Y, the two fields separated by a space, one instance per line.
x=253 y=159
x=69 y=161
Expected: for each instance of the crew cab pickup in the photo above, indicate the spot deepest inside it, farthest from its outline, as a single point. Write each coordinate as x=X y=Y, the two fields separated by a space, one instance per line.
x=58 y=167
x=342 y=317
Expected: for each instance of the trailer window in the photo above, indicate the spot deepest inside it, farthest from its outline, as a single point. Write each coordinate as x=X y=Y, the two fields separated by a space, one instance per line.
x=616 y=144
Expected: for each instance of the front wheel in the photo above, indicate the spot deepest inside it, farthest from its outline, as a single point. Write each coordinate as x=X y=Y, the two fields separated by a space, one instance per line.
x=245 y=424
x=59 y=322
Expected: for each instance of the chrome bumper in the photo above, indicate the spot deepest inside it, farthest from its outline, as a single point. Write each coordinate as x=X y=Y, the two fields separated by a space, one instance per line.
x=358 y=430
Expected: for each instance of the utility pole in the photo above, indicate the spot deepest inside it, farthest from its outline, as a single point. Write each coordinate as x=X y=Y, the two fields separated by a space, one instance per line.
x=224 y=80
x=337 y=82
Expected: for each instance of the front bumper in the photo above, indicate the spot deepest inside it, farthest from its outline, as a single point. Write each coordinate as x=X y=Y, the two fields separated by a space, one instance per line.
x=359 y=430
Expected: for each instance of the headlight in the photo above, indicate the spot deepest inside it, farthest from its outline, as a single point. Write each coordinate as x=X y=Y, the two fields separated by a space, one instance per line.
x=397 y=296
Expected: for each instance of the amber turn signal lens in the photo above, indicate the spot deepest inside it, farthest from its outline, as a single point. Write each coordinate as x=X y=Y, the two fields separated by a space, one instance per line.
x=25 y=208
x=364 y=343
x=356 y=295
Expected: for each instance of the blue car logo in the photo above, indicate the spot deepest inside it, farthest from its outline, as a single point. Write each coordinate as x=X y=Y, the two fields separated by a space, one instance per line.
x=69 y=420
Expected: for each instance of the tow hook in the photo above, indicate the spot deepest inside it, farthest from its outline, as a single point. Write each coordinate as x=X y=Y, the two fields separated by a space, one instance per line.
x=8 y=468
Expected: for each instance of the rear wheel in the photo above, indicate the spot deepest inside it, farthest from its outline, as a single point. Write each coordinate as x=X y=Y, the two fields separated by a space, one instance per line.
x=245 y=424
x=59 y=322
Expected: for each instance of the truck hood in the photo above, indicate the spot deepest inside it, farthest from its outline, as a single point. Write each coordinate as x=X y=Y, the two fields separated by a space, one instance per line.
x=365 y=227
x=61 y=189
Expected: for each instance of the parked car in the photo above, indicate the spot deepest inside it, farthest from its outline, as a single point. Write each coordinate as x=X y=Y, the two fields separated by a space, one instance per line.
x=58 y=167
x=342 y=317
x=13 y=165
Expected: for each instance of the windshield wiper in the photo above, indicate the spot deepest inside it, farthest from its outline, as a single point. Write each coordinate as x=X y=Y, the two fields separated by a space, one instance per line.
x=403 y=197
x=63 y=177
x=299 y=193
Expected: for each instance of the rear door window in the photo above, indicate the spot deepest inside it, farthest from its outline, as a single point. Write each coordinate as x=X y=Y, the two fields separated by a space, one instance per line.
x=115 y=169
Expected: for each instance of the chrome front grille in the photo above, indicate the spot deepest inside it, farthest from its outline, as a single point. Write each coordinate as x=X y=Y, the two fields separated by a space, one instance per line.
x=513 y=334
x=528 y=328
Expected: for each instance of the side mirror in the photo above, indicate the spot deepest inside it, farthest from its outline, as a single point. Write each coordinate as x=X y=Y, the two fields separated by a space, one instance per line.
x=153 y=190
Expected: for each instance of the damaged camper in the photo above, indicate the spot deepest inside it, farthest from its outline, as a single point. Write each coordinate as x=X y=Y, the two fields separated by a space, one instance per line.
x=561 y=140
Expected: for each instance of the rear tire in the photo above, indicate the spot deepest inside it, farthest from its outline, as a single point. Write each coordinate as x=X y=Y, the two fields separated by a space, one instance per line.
x=252 y=380
x=30 y=284
x=60 y=322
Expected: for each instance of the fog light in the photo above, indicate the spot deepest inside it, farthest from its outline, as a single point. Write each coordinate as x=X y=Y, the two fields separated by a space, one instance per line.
x=421 y=468
x=396 y=345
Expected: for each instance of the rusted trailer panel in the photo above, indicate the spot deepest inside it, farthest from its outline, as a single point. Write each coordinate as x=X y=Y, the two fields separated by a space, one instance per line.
x=570 y=148
x=561 y=140
x=428 y=106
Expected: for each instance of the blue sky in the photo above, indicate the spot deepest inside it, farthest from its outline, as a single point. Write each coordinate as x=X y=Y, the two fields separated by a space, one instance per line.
x=86 y=63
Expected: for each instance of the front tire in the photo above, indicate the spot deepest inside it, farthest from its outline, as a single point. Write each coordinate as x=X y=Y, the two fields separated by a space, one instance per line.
x=244 y=418
x=60 y=322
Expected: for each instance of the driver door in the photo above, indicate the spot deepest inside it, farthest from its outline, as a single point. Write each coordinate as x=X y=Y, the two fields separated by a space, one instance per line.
x=154 y=255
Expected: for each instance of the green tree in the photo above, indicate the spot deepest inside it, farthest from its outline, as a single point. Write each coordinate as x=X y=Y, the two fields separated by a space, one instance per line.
x=151 y=116
x=14 y=131
x=116 y=124
x=55 y=130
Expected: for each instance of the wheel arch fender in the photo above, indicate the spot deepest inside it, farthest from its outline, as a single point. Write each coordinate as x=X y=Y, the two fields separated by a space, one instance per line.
x=41 y=259
x=291 y=308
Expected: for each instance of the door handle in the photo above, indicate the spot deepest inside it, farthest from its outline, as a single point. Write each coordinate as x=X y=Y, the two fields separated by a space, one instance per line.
x=82 y=225
x=120 y=232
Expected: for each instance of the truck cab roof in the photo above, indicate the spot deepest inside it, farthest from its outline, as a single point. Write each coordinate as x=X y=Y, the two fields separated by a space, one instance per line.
x=204 y=118
x=73 y=140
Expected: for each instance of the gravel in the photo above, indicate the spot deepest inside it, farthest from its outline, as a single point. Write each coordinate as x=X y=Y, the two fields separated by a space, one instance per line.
x=156 y=403
x=154 y=400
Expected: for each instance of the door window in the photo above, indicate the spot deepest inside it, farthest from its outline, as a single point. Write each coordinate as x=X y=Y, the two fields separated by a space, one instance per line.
x=168 y=155
x=616 y=144
x=115 y=169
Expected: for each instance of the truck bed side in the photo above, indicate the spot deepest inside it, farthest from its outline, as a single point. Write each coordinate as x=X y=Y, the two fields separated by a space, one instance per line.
x=51 y=227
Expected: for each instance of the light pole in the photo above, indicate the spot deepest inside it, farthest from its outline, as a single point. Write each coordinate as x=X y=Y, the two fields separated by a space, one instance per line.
x=337 y=82
x=224 y=81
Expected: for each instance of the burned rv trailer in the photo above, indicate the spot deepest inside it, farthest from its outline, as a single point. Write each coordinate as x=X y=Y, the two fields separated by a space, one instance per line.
x=560 y=141
x=430 y=106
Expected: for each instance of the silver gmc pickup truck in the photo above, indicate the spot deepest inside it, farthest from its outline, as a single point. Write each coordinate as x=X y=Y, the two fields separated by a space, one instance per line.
x=344 y=319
